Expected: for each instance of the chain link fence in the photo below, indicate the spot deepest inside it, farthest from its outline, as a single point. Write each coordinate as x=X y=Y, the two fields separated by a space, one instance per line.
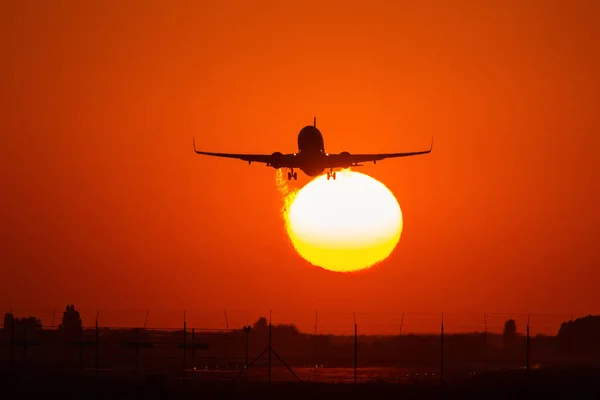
x=273 y=345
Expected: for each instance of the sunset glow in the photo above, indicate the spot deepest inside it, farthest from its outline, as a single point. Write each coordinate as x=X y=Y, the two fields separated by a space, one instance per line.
x=345 y=225
x=106 y=205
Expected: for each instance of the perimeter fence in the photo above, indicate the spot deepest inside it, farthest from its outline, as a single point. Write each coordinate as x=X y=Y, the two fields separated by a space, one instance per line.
x=311 y=346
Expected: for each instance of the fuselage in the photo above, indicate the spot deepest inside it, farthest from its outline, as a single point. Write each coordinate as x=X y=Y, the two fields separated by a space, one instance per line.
x=311 y=150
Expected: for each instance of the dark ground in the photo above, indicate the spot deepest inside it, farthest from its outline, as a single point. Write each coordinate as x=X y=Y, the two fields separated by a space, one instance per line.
x=549 y=383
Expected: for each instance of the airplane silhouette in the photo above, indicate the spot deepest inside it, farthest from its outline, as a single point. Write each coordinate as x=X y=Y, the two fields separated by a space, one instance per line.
x=311 y=157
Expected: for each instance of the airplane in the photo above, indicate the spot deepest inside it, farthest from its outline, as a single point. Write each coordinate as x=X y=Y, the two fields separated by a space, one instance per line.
x=311 y=157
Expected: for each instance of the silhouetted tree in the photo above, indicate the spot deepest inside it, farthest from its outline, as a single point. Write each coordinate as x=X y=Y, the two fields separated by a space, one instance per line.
x=8 y=321
x=509 y=335
x=71 y=322
x=580 y=337
x=23 y=327
x=8 y=324
x=261 y=324
x=30 y=324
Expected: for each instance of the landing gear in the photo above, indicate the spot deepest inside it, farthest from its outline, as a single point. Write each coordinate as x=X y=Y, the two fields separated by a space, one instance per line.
x=331 y=175
x=292 y=174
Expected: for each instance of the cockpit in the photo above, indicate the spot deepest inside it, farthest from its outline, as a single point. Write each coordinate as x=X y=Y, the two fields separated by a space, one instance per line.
x=310 y=140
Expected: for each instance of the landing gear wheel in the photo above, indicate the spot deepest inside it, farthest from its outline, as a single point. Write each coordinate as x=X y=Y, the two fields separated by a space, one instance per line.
x=289 y=176
x=296 y=176
x=333 y=176
x=328 y=175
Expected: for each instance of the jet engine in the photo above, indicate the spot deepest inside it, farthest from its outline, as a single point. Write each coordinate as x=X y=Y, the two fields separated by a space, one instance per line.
x=276 y=160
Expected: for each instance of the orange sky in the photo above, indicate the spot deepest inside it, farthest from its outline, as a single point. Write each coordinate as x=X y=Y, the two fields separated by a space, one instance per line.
x=104 y=204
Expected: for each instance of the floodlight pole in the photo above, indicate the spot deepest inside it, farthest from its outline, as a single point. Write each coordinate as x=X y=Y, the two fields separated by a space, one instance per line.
x=270 y=350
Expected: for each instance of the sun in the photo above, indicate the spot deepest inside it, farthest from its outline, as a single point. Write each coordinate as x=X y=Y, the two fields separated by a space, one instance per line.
x=343 y=225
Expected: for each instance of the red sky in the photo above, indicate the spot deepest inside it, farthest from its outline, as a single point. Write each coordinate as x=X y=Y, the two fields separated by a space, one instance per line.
x=104 y=204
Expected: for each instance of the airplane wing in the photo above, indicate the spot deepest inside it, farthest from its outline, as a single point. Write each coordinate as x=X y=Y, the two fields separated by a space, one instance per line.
x=344 y=160
x=277 y=160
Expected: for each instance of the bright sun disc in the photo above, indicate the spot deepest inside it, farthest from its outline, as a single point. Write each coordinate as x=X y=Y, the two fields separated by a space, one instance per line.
x=343 y=225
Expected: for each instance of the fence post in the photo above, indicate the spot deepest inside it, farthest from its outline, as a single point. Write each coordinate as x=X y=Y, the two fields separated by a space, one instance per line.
x=25 y=341
x=270 y=334
x=137 y=349
x=246 y=332
x=355 y=349
x=442 y=351
x=81 y=346
x=355 y=345
x=12 y=339
x=485 y=339
x=97 y=355
x=400 y=340
x=527 y=346
x=184 y=345
x=193 y=350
